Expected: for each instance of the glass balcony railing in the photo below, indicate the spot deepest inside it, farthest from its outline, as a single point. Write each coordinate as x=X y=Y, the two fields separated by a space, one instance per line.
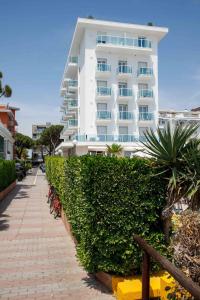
x=105 y=138
x=103 y=91
x=105 y=115
x=127 y=138
x=145 y=93
x=125 y=92
x=103 y=68
x=123 y=41
x=72 y=104
x=125 y=115
x=145 y=72
x=72 y=123
x=146 y=116
x=124 y=70
x=73 y=83
x=73 y=59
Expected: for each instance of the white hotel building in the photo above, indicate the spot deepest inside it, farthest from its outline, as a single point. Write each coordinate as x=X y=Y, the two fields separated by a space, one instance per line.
x=110 y=86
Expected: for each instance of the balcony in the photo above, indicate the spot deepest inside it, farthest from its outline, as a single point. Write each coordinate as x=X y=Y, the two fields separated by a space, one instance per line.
x=72 y=84
x=123 y=138
x=73 y=123
x=146 y=116
x=125 y=93
x=73 y=60
x=124 y=71
x=72 y=104
x=145 y=73
x=103 y=92
x=118 y=43
x=145 y=94
x=103 y=115
x=125 y=116
x=103 y=70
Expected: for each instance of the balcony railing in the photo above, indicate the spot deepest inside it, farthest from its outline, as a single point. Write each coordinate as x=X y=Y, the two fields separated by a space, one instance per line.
x=145 y=93
x=125 y=115
x=123 y=41
x=72 y=104
x=124 y=70
x=103 y=91
x=73 y=83
x=145 y=72
x=125 y=92
x=146 y=116
x=105 y=138
x=72 y=123
x=103 y=68
x=73 y=59
x=103 y=114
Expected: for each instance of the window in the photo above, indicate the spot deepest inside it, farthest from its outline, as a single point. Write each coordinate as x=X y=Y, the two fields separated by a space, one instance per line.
x=101 y=83
x=123 y=107
x=123 y=130
x=143 y=108
x=102 y=64
x=142 y=64
x=142 y=41
x=101 y=106
x=142 y=86
x=101 y=60
x=122 y=85
x=101 y=37
x=101 y=130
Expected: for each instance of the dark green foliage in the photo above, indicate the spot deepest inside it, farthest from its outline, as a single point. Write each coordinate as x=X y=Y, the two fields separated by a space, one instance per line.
x=7 y=173
x=106 y=200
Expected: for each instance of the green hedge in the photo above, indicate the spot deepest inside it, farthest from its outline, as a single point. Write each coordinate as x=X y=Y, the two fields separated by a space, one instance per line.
x=106 y=200
x=7 y=173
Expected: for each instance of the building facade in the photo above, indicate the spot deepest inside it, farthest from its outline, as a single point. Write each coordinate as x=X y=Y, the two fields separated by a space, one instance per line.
x=39 y=152
x=109 y=86
x=8 y=125
x=174 y=118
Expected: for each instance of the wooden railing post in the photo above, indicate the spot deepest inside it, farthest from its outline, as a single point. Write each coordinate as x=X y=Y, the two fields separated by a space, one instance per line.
x=145 y=276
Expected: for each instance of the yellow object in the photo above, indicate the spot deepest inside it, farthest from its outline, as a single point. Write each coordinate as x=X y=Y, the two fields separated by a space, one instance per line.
x=131 y=288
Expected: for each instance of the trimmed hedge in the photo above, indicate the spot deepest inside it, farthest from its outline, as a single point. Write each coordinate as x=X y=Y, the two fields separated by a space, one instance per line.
x=106 y=200
x=7 y=173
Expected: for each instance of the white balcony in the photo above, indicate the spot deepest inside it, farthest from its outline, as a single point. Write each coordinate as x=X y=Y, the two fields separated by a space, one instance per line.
x=124 y=72
x=145 y=74
x=103 y=116
x=145 y=95
x=118 y=44
x=125 y=117
x=146 y=117
x=103 y=70
x=103 y=93
x=125 y=94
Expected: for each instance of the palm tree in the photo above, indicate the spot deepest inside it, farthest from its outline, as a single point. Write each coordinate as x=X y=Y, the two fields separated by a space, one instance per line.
x=173 y=151
x=114 y=149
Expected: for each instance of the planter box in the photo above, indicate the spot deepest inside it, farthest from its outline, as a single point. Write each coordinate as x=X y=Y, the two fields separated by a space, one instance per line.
x=5 y=192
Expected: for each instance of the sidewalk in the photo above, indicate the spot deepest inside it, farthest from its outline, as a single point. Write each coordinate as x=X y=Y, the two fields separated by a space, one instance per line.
x=37 y=257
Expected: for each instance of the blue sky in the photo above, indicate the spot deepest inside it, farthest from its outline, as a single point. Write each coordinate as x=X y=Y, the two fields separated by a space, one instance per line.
x=36 y=34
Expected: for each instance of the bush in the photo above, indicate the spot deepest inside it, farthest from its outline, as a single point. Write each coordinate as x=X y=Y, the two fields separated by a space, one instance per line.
x=7 y=173
x=106 y=200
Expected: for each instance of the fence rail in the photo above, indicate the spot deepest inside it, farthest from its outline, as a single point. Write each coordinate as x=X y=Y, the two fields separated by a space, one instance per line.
x=177 y=274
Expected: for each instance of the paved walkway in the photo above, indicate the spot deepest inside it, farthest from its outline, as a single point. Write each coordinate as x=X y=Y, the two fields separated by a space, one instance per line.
x=37 y=257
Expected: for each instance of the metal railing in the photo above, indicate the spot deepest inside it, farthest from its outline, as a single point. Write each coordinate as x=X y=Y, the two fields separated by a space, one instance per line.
x=103 y=91
x=106 y=138
x=124 y=70
x=103 y=114
x=72 y=83
x=150 y=252
x=125 y=92
x=123 y=41
x=125 y=115
x=72 y=123
x=101 y=67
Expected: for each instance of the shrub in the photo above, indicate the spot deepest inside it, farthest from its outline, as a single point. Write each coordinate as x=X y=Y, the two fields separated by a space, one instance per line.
x=106 y=200
x=7 y=173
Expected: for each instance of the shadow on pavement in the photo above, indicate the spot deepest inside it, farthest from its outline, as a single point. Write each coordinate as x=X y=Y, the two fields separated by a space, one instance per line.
x=93 y=283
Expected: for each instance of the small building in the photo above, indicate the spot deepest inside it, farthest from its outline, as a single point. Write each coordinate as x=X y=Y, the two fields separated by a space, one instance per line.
x=8 y=125
x=38 y=153
x=109 y=86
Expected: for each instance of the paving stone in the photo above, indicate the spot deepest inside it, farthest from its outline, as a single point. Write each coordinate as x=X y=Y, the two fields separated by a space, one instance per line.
x=37 y=256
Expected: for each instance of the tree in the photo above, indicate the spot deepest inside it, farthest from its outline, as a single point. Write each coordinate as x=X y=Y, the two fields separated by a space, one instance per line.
x=114 y=149
x=5 y=91
x=22 y=142
x=50 y=138
x=176 y=154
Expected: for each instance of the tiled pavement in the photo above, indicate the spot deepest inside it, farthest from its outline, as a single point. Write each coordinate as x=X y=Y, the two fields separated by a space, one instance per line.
x=37 y=256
